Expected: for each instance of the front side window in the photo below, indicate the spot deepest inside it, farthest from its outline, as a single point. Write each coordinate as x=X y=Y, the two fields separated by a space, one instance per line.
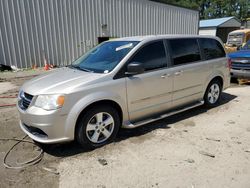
x=152 y=56
x=246 y=46
x=104 y=57
x=211 y=48
x=248 y=37
x=184 y=51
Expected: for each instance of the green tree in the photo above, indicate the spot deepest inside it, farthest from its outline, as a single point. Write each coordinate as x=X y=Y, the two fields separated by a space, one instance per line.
x=215 y=8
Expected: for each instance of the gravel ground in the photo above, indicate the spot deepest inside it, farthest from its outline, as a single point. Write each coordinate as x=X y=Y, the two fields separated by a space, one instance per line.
x=198 y=148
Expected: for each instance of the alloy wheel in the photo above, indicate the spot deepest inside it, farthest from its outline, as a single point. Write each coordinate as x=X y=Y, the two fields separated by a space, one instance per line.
x=213 y=93
x=100 y=127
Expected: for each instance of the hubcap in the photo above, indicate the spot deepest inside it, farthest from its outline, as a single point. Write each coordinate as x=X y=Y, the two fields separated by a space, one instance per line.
x=213 y=93
x=100 y=127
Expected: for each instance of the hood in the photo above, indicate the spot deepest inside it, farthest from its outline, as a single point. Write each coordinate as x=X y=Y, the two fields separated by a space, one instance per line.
x=62 y=80
x=240 y=54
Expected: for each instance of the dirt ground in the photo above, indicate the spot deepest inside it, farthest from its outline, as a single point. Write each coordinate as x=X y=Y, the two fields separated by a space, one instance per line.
x=198 y=148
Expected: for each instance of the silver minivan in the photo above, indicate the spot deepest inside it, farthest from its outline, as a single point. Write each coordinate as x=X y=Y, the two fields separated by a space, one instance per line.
x=125 y=82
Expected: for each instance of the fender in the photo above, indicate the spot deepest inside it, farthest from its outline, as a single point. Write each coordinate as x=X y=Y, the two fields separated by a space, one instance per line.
x=214 y=74
x=85 y=102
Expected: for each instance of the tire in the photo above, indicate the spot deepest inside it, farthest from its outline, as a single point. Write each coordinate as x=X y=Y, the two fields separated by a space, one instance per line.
x=213 y=93
x=97 y=127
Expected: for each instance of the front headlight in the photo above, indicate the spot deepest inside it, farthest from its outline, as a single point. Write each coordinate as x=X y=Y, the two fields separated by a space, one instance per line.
x=49 y=102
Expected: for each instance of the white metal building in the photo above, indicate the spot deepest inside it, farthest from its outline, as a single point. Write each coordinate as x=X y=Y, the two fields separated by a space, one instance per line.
x=219 y=27
x=62 y=30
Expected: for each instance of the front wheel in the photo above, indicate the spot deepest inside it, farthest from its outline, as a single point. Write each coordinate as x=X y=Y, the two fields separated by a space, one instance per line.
x=98 y=126
x=213 y=93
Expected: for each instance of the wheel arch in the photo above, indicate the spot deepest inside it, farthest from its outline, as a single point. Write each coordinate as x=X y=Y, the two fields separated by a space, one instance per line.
x=89 y=101
x=103 y=102
x=218 y=76
x=220 y=79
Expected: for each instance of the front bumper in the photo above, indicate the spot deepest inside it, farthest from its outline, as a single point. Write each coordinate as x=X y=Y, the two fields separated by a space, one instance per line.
x=240 y=73
x=44 y=126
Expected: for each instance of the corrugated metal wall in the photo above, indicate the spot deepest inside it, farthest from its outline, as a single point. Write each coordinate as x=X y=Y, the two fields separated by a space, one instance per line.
x=62 y=30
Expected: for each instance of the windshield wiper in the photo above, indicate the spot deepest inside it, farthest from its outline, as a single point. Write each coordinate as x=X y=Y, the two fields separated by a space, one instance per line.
x=87 y=70
x=80 y=68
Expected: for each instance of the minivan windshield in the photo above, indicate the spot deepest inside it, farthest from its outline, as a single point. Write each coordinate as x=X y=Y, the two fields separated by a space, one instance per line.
x=104 y=57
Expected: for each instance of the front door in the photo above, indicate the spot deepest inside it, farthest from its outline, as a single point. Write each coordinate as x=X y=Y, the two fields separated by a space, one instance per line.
x=150 y=93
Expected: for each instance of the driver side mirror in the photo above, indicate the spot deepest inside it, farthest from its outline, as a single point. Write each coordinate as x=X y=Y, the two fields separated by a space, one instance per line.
x=134 y=68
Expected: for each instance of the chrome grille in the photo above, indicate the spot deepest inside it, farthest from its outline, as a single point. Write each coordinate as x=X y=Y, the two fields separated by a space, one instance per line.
x=25 y=100
x=241 y=63
x=239 y=66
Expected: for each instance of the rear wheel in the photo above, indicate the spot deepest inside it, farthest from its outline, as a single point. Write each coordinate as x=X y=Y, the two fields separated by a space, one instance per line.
x=98 y=126
x=213 y=93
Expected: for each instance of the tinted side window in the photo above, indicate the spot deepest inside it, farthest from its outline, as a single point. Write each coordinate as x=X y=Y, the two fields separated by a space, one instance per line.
x=184 y=51
x=212 y=48
x=248 y=37
x=152 y=56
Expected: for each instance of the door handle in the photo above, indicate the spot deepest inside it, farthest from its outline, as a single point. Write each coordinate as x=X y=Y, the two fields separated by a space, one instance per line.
x=178 y=73
x=165 y=75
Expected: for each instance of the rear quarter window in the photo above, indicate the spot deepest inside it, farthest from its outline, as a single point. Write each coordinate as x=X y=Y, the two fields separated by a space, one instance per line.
x=212 y=48
x=184 y=51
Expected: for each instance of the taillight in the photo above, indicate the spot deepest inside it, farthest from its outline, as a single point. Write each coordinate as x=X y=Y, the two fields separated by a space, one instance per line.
x=229 y=63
